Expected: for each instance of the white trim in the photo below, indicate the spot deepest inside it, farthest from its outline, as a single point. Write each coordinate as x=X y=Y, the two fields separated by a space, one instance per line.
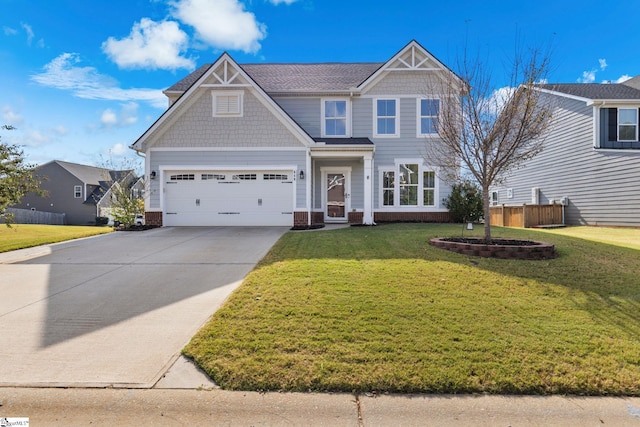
x=635 y=136
x=230 y=149
x=565 y=95
x=76 y=192
x=596 y=126
x=346 y=170
x=323 y=119
x=422 y=167
x=396 y=134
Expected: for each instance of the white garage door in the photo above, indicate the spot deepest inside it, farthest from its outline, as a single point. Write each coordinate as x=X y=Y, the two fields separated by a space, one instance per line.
x=243 y=198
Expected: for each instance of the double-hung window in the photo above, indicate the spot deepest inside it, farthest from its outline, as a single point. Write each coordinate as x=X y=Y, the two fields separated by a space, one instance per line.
x=627 y=124
x=77 y=191
x=335 y=117
x=428 y=109
x=408 y=185
x=386 y=118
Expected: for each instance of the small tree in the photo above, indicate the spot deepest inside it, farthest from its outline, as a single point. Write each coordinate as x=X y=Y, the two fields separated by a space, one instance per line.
x=465 y=202
x=124 y=202
x=488 y=131
x=16 y=177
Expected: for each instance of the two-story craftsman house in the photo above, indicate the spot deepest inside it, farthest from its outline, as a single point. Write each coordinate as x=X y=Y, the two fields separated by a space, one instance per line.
x=298 y=144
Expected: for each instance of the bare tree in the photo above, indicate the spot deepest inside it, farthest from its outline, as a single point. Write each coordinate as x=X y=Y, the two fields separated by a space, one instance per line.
x=485 y=131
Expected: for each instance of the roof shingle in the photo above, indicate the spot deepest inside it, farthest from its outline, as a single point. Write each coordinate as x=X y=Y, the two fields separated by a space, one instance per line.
x=595 y=90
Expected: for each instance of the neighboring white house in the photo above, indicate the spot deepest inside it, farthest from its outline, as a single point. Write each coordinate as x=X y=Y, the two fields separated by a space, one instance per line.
x=591 y=158
x=298 y=144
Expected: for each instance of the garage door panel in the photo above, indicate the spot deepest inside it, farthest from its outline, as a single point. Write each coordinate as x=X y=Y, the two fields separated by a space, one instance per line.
x=206 y=198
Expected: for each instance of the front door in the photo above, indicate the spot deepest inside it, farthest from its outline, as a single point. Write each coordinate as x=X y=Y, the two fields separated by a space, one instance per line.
x=336 y=192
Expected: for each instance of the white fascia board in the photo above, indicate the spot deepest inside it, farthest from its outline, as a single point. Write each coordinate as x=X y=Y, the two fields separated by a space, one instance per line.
x=564 y=95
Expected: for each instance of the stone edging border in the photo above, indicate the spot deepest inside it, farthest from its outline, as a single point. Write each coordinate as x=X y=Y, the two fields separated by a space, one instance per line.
x=537 y=251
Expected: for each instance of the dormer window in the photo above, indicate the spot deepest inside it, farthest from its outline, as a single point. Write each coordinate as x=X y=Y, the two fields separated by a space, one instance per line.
x=227 y=104
x=335 y=117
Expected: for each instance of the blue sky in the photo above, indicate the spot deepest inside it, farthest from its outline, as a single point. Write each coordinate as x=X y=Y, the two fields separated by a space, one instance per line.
x=83 y=79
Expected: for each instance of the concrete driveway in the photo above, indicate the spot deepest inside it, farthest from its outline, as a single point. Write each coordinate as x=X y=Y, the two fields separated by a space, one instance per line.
x=115 y=310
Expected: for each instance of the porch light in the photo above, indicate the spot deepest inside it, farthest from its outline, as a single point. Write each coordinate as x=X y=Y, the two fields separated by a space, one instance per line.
x=152 y=175
x=301 y=174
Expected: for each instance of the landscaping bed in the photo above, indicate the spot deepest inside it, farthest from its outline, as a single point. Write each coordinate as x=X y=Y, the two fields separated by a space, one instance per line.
x=496 y=248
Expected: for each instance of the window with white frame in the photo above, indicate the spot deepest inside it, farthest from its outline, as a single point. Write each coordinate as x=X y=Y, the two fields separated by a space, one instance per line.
x=335 y=117
x=494 y=198
x=388 y=187
x=428 y=109
x=428 y=188
x=387 y=118
x=227 y=104
x=408 y=185
x=77 y=191
x=627 y=124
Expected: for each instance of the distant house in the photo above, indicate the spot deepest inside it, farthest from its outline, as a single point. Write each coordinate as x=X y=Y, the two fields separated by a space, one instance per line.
x=299 y=144
x=591 y=159
x=81 y=192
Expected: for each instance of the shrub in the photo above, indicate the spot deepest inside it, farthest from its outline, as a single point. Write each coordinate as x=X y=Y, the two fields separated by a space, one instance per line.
x=465 y=202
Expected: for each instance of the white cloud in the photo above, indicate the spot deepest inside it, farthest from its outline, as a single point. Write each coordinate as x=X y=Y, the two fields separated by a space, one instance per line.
x=150 y=45
x=119 y=149
x=223 y=24
x=10 y=117
x=30 y=35
x=86 y=82
x=603 y=64
x=128 y=116
x=8 y=31
x=33 y=138
x=588 y=76
x=60 y=130
x=499 y=98
x=623 y=78
x=277 y=2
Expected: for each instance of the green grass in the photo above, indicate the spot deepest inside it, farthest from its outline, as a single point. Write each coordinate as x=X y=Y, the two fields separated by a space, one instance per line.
x=378 y=309
x=20 y=236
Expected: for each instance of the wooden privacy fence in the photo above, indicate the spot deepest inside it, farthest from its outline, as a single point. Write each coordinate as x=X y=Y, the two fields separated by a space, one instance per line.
x=527 y=216
x=26 y=216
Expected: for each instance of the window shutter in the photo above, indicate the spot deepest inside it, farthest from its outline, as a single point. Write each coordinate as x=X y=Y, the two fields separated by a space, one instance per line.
x=613 y=124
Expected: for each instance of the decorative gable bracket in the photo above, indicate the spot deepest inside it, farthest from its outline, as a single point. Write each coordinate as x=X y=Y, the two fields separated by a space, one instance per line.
x=414 y=58
x=226 y=75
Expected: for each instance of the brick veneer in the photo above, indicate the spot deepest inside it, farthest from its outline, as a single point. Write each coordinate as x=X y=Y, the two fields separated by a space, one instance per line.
x=153 y=218
x=300 y=220
x=355 y=217
x=412 y=217
x=317 y=218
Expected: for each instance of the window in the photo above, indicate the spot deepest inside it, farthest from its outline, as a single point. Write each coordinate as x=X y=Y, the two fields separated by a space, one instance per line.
x=408 y=178
x=428 y=118
x=182 y=177
x=274 y=177
x=408 y=185
x=77 y=191
x=494 y=198
x=212 y=177
x=227 y=104
x=386 y=115
x=627 y=124
x=388 y=187
x=429 y=188
x=245 y=177
x=334 y=117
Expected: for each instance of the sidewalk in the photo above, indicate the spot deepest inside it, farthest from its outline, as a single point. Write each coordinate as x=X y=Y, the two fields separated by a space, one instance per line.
x=172 y=407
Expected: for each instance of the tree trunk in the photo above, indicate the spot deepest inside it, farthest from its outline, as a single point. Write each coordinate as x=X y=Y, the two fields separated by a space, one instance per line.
x=487 y=213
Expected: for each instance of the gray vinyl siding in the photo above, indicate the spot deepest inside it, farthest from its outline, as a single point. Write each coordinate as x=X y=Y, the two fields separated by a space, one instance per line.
x=602 y=186
x=305 y=111
x=58 y=185
x=222 y=159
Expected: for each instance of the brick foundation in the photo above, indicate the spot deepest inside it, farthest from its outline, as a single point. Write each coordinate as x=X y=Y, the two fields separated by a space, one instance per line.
x=355 y=217
x=412 y=217
x=153 y=218
x=300 y=220
x=317 y=218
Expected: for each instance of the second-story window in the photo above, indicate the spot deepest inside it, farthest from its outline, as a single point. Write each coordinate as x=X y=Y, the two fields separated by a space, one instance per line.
x=386 y=118
x=335 y=117
x=77 y=191
x=627 y=124
x=429 y=109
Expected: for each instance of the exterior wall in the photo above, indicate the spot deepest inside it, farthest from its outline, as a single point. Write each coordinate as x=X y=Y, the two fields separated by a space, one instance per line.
x=305 y=111
x=195 y=126
x=601 y=185
x=59 y=198
x=221 y=159
x=404 y=83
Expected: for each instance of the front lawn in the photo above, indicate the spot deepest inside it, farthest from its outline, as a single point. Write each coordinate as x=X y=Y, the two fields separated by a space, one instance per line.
x=20 y=236
x=378 y=309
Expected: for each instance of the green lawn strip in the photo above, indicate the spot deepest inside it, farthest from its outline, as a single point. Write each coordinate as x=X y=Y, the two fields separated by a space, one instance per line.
x=366 y=309
x=20 y=236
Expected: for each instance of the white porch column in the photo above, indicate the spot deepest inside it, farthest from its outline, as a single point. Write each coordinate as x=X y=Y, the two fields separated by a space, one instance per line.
x=367 y=217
